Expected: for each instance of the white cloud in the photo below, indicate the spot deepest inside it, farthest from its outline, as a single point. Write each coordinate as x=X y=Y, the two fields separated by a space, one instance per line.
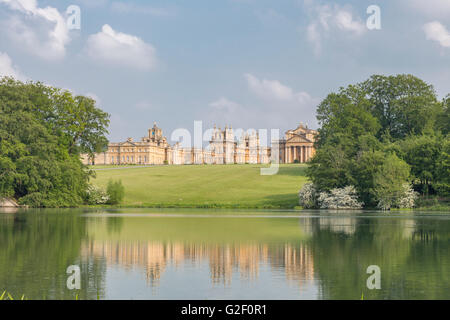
x=326 y=19
x=41 y=31
x=277 y=106
x=227 y=112
x=274 y=90
x=7 y=69
x=435 y=31
x=116 y=48
x=344 y=20
x=223 y=104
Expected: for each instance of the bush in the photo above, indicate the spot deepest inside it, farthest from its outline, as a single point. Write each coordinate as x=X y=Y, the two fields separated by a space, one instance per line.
x=340 y=198
x=96 y=195
x=116 y=192
x=408 y=199
x=308 y=196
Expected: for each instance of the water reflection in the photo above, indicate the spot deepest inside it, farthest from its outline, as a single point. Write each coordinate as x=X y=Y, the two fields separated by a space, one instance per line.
x=223 y=256
x=154 y=257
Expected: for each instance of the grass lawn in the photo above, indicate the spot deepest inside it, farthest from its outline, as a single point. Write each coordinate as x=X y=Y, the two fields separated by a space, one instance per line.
x=207 y=186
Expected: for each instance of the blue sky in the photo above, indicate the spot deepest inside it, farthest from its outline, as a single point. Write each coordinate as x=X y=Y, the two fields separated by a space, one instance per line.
x=249 y=63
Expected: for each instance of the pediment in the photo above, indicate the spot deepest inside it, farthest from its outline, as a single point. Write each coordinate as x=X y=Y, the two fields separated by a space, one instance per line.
x=127 y=144
x=298 y=139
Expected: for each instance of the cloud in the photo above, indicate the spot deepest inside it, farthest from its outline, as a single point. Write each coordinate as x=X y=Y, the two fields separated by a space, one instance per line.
x=329 y=18
x=223 y=104
x=435 y=31
x=7 y=69
x=227 y=112
x=120 y=49
x=41 y=31
x=276 y=106
x=275 y=90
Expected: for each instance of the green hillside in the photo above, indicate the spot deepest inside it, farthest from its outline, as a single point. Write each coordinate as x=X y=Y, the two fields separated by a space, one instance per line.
x=220 y=186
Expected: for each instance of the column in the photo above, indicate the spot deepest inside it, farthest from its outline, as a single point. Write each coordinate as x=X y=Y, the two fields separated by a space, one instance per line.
x=301 y=154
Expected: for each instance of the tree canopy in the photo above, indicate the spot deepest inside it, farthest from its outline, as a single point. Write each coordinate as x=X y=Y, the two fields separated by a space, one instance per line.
x=43 y=130
x=373 y=131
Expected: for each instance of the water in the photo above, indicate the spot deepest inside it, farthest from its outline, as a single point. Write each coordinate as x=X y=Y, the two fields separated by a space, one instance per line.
x=207 y=254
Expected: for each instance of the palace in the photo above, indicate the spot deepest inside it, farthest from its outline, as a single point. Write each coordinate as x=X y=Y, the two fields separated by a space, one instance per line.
x=153 y=149
x=298 y=145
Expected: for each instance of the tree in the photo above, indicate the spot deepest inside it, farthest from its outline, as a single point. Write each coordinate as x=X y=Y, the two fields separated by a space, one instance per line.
x=366 y=123
x=115 y=191
x=38 y=165
x=422 y=153
x=443 y=169
x=443 y=122
x=84 y=124
x=403 y=104
x=389 y=181
x=345 y=114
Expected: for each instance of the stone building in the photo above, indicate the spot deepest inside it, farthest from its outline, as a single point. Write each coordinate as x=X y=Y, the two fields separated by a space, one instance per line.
x=155 y=150
x=298 y=145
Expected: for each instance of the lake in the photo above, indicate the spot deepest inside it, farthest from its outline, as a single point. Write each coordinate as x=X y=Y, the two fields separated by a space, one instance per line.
x=224 y=254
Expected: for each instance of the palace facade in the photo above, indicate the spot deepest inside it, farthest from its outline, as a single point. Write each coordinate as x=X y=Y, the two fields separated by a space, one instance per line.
x=153 y=149
x=298 y=145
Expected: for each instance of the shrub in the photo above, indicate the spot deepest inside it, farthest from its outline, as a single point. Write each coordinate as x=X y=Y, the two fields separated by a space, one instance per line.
x=96 y=195
x=340 y=198
x=408 y=198
x=116 y=192
x=308 y=196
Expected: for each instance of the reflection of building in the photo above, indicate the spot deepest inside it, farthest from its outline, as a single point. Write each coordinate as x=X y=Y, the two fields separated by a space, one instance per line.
x=298 y=145
x=154 y=149
x=154 y=257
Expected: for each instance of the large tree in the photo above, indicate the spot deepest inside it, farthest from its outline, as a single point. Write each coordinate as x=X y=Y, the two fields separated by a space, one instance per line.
x=42 y=131
x=403 y=104
x=386 y=117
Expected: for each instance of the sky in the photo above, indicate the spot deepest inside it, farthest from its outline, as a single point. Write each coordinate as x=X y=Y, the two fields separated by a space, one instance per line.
x=262 y=64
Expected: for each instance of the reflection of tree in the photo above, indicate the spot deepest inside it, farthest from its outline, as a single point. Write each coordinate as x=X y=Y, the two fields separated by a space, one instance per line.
x=114 y=224
x=411 y=253
x=35 y=251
